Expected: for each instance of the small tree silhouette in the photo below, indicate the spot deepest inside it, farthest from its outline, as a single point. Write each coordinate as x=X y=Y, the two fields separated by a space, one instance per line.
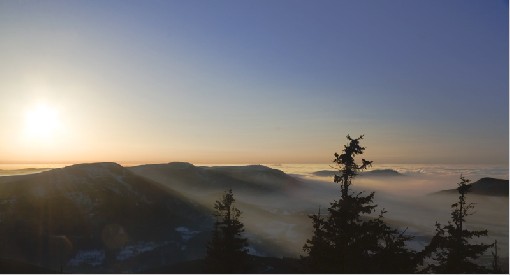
x=345 y=240
x=450 y=249
x=227 y=252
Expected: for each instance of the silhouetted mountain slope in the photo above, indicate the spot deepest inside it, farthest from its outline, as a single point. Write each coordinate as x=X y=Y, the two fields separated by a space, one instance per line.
x=382 y=173
x=325 y=173
x=256 y=178
x=484 y=186
x=100 y=207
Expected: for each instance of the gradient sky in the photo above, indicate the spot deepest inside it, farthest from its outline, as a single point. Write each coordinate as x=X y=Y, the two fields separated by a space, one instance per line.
x=255 y=81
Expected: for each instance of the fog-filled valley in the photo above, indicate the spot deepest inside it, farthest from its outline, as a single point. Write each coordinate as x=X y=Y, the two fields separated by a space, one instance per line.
x=110 y=218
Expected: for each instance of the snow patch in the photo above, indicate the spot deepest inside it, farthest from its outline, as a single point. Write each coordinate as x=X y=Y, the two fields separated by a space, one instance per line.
x=253 y=251
x=133 y=250
x=91 y=257
x=186 y=233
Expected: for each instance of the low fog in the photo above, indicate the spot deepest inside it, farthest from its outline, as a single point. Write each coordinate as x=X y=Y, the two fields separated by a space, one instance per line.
x=276 y=206
x=277 y=222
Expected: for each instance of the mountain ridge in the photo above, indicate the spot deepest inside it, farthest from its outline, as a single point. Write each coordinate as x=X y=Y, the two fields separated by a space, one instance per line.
x=115 y=219
x=94 y=207
x=372 y=173
x=258 y=178
x=487 y=186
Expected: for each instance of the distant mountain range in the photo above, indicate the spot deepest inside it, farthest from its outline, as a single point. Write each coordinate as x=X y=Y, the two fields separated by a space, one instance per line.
x=484 y=186
x=104 y=218
x=255 y=178
x=373 y=173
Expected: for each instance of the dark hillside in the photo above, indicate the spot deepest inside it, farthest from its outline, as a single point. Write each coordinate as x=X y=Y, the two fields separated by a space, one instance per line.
x=255 y=178
x=11 y=266
x=91 y=207
x=485 y=186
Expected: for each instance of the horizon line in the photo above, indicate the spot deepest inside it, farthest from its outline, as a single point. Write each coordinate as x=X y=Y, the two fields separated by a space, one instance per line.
x=132 y=163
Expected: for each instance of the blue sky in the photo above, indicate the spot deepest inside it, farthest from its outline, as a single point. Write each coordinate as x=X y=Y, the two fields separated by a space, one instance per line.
x=256 y=81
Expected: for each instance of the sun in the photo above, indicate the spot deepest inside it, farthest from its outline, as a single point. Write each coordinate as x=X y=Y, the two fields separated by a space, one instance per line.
x=41 y=122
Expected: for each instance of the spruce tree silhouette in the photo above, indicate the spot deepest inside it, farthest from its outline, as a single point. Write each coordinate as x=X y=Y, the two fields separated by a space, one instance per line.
x=345 y=240
x=450 y=249
x=227 y=252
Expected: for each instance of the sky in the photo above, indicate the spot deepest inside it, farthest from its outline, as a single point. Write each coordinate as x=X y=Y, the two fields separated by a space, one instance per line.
x=253 y=81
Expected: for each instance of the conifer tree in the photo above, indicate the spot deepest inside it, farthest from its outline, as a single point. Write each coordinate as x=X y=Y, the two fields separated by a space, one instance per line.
x=345 y=240
x=227 y=251
x=450 y=249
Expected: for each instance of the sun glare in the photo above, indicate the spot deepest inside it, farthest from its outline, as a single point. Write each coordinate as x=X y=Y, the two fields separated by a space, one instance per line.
x=42 y=122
